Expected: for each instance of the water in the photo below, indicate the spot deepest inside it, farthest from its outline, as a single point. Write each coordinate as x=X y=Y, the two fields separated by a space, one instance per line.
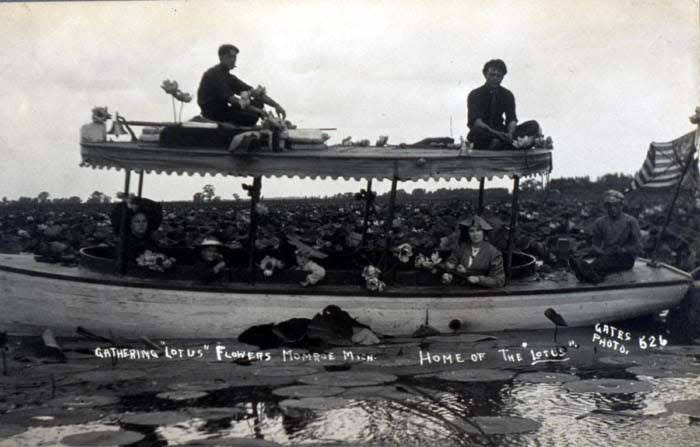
x=425 y=405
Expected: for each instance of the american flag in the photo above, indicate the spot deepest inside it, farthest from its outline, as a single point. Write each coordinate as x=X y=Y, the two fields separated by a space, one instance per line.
x=666 y=162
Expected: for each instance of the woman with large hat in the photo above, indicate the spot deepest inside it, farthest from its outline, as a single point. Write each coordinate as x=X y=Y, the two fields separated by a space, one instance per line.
x=474 y=257
x=143 y=217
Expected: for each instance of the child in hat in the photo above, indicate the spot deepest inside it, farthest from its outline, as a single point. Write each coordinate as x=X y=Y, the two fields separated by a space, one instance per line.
x=210 y=264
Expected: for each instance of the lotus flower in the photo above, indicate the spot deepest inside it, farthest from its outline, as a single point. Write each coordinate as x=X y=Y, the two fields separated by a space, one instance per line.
x=170 y=87
x=446 y=278
x=430 y=263
x=435 y=259
x=100 y=114
x=370 y=272
x=268 y=264
x=155 y=261
x=375 y=285
x=524 y=142
x=404 y=252
x=420 y=260
x=182 y=96
x=371 y=277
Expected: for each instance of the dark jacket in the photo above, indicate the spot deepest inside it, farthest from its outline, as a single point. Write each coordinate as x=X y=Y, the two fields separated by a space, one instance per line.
x=487 y=265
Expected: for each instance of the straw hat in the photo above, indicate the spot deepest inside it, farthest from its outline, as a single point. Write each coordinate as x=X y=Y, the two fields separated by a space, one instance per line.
x=210 y=242
x=613 y=196
x=476 y=221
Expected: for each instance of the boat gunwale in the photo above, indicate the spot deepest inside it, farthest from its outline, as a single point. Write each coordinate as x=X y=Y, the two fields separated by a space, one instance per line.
x=416 y=292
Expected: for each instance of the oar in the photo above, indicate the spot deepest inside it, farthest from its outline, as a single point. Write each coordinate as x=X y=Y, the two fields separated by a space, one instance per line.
x=51 y=343
x=151 y=344
x=555 y=318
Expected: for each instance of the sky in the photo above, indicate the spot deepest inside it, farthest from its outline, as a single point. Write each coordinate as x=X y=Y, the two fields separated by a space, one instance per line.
x=603 y=77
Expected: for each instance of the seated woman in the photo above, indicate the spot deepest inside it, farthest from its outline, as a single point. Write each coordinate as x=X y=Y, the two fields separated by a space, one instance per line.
x=140 y=247
x=138 y=238
x=476 y=259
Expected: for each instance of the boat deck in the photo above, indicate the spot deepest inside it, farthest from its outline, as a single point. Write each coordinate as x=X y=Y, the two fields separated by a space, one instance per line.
x=641 y=276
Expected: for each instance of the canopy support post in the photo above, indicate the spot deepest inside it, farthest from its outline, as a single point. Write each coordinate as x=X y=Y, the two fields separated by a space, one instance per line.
x=513 y=227
x=480 y=203
x=121 y=253
x=138 y=193
x=368 y=206
x=254 y=193
x=390 y=221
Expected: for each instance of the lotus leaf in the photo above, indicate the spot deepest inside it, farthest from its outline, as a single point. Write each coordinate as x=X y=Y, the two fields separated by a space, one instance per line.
x=102 y=438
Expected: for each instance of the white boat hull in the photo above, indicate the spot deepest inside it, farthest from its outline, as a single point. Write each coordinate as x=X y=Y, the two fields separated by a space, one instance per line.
x=34 y=300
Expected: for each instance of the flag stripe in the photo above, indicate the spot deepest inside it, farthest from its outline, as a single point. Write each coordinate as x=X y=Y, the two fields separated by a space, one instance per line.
x=664 y=163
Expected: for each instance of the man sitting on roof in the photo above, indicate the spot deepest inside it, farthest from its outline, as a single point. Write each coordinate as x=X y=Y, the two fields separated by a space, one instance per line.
x=616 y=241
x=224 y=97
x=487 y=106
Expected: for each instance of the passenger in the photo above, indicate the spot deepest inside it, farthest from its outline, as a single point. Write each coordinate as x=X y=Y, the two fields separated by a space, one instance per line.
x=143 y=217
x=152 y=210
x=210 y=264
x=486 y=108
x=139 y=238
x=304 y=262
x=617 y=240
x=224 y=97
x=475 y=258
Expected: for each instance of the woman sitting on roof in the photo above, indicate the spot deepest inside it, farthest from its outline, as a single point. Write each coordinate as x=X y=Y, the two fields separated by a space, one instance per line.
x=474 y=258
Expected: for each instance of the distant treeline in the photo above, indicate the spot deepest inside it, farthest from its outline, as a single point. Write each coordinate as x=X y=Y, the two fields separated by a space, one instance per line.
x=583 y=188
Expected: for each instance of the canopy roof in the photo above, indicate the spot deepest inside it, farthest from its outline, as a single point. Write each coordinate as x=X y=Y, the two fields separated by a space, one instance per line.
x=346 y=162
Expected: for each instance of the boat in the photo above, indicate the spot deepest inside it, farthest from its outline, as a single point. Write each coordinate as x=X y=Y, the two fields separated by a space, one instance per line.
x=103 y=293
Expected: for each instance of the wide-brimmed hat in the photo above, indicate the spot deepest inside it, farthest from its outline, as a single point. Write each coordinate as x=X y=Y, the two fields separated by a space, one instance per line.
x=477 y=221
x=210 y=242
x=613 y=196
x=152 y=210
